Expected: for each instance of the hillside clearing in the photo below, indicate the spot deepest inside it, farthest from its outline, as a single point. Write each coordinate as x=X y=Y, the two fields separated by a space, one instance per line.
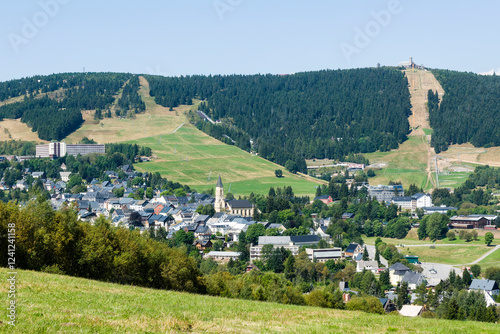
x=192 y=157
x=13 y=129
x=48 y=303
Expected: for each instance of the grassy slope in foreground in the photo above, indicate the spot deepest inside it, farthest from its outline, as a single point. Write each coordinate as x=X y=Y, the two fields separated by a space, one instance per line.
x=49 y=303
x=188 y=155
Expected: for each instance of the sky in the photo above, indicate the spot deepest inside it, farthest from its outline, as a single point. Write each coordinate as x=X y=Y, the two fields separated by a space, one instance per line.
x=182 y=37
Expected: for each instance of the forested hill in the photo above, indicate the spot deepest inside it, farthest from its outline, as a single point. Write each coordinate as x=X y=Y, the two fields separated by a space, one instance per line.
x=307 y=115
x=469 y=111
x=52 y=104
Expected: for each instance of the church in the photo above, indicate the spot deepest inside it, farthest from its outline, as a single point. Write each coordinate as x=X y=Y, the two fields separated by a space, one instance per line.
x=234 y=207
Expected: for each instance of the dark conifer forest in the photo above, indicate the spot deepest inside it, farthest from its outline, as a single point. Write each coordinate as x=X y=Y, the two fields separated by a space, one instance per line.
x=319 y=114
x=469 y=110
x=56 y=115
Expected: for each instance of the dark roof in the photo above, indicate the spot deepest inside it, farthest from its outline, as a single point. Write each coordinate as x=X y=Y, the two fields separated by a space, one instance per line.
x=322 y=197
x=413 y=277
x=483 y=284
x=351 y=248
x=398 y=267
x=219 y=182
x=401 y=199
x=239 y=204
x=305 y=238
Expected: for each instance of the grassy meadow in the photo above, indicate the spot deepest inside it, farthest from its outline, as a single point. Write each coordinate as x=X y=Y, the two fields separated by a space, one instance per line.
x=453 y=255
x=407 y=164
x=191 y=157
x=492 y=260
x=49 y=303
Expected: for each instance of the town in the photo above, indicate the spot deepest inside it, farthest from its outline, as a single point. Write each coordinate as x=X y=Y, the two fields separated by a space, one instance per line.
x=213 y=223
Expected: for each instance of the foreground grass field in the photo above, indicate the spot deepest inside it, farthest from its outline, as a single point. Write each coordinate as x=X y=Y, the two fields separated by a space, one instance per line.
x=48 y=303
x=191 y=157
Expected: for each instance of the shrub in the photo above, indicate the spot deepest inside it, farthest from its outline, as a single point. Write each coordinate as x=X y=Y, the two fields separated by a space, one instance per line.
x=368 y=304
x=451 y=235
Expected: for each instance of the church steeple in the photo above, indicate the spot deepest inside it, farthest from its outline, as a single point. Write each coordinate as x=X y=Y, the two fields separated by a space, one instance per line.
x=219 y=204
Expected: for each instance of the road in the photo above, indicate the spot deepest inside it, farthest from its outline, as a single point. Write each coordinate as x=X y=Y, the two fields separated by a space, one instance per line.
x=371 y=253
x=178 y=128
x=485 y=255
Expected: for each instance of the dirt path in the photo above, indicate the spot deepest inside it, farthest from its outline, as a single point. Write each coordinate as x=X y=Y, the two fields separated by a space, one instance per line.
x=419 y=84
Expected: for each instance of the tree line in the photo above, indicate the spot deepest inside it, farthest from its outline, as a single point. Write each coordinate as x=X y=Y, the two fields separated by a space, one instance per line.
x=310 y=115
x=466 y=111
x=58 y=113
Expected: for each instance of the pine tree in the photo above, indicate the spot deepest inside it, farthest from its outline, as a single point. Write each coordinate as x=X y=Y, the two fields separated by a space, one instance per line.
x=366 y=257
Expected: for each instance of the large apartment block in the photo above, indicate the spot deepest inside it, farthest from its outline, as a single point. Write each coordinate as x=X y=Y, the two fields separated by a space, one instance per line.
x=56 y=150
x=385 y=193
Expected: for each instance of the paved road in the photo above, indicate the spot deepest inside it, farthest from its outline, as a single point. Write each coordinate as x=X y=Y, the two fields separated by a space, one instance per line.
x=437 y=245
x=371 y=253
x=485 y=255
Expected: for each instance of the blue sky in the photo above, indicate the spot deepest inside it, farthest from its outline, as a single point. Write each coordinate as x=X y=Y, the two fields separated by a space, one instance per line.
x=179 y=37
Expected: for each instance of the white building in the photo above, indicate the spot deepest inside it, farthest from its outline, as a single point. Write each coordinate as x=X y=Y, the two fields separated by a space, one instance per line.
x=55 y=150
x=324 y=254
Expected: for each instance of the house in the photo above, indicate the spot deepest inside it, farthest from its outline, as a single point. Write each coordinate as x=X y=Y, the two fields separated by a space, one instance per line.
x=487 y=285
x=203 y=244
x=367 y=265
x=321 y=232
x=38 y=175
x=327 y=199
x=21 y=185
x=411 y=310
x=251 y=267
x=324 y=254
x=397 y=272
x=413 y=279
x=468 y=222
x=388 y=305
x=222 y=257
x=353 y=249
x=347 y=215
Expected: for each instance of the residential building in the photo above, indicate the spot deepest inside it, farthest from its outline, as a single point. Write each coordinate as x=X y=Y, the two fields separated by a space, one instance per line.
x=396 y=272
x=353 y=249
x=292 y=243
x=367 y=265
x=56 y=150
x=324 y=254
x=223 y=257
x=411 y=203
x=413 y=279
x=327 y=199
x=385 y=193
